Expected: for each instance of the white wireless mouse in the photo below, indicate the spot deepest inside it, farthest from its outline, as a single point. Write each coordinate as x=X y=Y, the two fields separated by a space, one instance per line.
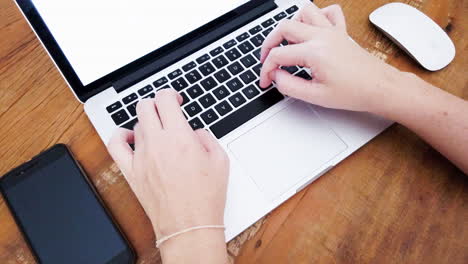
x=416 y=34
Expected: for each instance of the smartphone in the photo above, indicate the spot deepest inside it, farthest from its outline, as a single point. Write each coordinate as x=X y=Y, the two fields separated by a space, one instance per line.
x=60 y=213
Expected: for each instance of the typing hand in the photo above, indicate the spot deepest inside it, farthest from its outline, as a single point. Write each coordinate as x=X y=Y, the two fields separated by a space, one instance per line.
x=178 y=175
x=345 y=75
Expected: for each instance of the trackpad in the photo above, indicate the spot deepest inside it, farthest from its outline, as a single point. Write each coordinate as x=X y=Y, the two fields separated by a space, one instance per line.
x=284 y=149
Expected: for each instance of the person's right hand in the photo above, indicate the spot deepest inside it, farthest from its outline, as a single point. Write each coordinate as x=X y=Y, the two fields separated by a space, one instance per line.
x=345 y=75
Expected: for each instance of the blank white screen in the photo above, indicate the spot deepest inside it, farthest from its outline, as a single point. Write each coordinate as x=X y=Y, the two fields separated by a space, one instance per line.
x=100 y=36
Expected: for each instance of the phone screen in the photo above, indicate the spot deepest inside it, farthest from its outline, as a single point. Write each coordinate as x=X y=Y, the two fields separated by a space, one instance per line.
x=59 y=213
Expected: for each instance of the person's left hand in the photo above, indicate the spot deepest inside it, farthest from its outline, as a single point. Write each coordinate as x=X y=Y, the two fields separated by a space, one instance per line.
x=178 y=175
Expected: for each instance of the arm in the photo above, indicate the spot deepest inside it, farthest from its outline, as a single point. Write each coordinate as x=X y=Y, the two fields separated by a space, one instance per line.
x=347 y=77
x=440 y=118
x=179 y=176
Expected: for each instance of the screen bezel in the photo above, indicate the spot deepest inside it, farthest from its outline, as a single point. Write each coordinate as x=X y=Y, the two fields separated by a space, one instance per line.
x=83 y=92
x=45 y=158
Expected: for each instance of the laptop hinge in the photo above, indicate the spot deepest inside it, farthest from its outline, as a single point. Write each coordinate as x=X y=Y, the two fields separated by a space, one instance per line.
x=191 y=47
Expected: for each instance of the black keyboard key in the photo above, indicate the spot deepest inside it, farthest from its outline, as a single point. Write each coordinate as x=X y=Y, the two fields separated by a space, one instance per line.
x=229 y=44
x=304 y=75
x=223 y=108
x=257 y=53
x=196 y=123
x=209 y=83
x=257 y=40
x=235 y=68
x=132 y=109
x=151 y=95
x=222 y=76
x=248 y=61
x=243 y=37
x=216 y=51
x=255 y=30
x=234 y=84
x=128 y=99
x=284 y=42
x=145 y=90
x=195 y=91
x=280 y=16
x=290 y=69
x=160 y=82
x=189 y=66
x=220 y=61
x=120 y=117
x=250 y=92
x=185 y=98
x=207 y=69
x=113 y=107
x=268 y=23
x=179 y=84
x=175 y=74
x=292 y=9
x=248 y=77
x=207 y=100
x=246 y=113
x=193 y=76
x=221 y=92
x=257 y=69
x=245 y=47
x=237 y=99
x=203 y=58
x=193 y=109
x=209 y=116
x=266 y=32
x=131 y=124
x=233 y=54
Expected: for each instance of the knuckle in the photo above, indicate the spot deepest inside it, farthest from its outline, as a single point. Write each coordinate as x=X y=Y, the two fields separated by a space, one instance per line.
x=143 y=104
x=336 y=7
x=284 y=24
x=275 y=52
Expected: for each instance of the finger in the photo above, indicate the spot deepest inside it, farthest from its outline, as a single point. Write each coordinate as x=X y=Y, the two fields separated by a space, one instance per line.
x=335 y=15
x=138 y=135
x=292 y=31
x=180 y=99
x=311 y=14
x=120 y=151
x=282 y=56
x=209 y=143
x=168 y=105
x=148 y=117
x=299 y=88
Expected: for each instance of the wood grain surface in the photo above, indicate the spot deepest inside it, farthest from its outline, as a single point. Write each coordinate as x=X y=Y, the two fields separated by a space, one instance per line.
x=396 y=200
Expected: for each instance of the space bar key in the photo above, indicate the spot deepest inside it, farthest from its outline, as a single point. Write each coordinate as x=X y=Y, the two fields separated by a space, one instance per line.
x=245 y=113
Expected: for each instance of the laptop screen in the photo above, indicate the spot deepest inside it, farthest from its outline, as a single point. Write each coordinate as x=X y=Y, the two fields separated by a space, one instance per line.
x=99 y=37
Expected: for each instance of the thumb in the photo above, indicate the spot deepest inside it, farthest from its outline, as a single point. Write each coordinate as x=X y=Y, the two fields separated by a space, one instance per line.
x=296 y=87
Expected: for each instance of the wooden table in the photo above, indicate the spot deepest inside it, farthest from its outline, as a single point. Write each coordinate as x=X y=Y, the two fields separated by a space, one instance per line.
x=396 y=200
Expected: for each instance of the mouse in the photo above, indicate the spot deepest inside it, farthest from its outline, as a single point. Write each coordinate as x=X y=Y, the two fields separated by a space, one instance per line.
x=417 y=34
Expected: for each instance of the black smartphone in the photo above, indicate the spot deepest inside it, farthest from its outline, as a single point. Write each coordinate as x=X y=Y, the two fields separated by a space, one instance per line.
x=60 y=213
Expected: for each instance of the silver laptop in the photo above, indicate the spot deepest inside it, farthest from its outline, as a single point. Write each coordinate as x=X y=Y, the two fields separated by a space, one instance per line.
x=114 y=53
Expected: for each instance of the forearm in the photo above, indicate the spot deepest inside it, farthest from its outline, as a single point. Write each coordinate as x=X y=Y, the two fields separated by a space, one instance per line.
x=440 y=118
x=200 y=246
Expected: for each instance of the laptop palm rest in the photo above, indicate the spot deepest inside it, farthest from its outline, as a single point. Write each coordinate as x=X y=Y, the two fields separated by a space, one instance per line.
x=286 y=148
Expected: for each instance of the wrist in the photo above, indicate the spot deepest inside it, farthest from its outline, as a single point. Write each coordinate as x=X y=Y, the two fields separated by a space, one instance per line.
x=398 y=93
x=198 y=246
x=170 y=225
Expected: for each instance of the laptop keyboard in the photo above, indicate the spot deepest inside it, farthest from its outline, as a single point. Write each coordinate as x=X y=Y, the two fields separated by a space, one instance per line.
x=221 y=88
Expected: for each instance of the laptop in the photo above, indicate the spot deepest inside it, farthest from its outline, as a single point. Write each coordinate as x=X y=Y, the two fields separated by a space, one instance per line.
x=114 y=53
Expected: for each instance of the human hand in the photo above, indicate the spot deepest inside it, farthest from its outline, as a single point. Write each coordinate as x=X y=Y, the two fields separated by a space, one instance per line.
x=178 y=175
x=345 y=75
